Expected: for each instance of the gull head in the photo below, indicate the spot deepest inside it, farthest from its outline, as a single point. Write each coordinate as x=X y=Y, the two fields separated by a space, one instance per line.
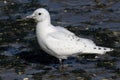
x=40 y=15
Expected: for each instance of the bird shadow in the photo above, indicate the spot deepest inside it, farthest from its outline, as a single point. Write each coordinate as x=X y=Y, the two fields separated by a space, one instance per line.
x=37 y=55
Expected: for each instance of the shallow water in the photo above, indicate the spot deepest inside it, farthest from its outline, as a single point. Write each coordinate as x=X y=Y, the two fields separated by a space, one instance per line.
x=21 y=57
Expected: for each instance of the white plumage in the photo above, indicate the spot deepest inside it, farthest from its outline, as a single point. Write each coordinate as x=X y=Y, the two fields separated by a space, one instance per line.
x=58 y=41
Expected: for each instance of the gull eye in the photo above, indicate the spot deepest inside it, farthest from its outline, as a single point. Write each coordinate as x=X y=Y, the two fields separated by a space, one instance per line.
x=39 y=13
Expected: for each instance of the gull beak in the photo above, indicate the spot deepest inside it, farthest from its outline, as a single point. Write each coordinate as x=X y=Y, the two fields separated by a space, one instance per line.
x=30 y=17
x=27 y=17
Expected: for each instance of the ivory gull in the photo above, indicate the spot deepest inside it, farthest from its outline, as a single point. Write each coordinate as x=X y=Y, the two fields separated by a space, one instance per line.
x=60 y=42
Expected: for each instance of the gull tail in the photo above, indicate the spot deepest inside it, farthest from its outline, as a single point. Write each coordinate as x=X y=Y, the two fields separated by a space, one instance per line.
x=97 y=50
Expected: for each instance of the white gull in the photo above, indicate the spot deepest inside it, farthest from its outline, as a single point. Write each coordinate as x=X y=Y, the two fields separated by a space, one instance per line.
x=60 y=42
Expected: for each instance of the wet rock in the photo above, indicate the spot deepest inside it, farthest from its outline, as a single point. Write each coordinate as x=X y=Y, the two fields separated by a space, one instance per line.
x=25 y=78
x=82 y=75
x=115 y=53
x=38 y=76
x=108 y=64
x=80 y=78
x=105 y=79
x=78 y=71
x=1 y=78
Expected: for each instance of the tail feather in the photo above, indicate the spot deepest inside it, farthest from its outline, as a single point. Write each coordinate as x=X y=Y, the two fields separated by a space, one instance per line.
x=97 y=50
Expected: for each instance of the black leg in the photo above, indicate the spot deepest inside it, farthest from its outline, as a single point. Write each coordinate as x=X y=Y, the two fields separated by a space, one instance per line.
x=60 y=60
x=61 y=64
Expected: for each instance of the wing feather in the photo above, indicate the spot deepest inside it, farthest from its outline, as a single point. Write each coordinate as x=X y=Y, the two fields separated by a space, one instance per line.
x=63 y=43
x=62 y=29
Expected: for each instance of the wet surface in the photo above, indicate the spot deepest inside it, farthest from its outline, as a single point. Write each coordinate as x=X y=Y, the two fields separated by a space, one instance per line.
x=22 y=59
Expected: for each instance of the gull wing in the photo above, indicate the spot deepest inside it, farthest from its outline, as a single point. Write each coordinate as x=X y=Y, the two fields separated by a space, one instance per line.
x=62 y=29
x=64 y=44
x=67 y=32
